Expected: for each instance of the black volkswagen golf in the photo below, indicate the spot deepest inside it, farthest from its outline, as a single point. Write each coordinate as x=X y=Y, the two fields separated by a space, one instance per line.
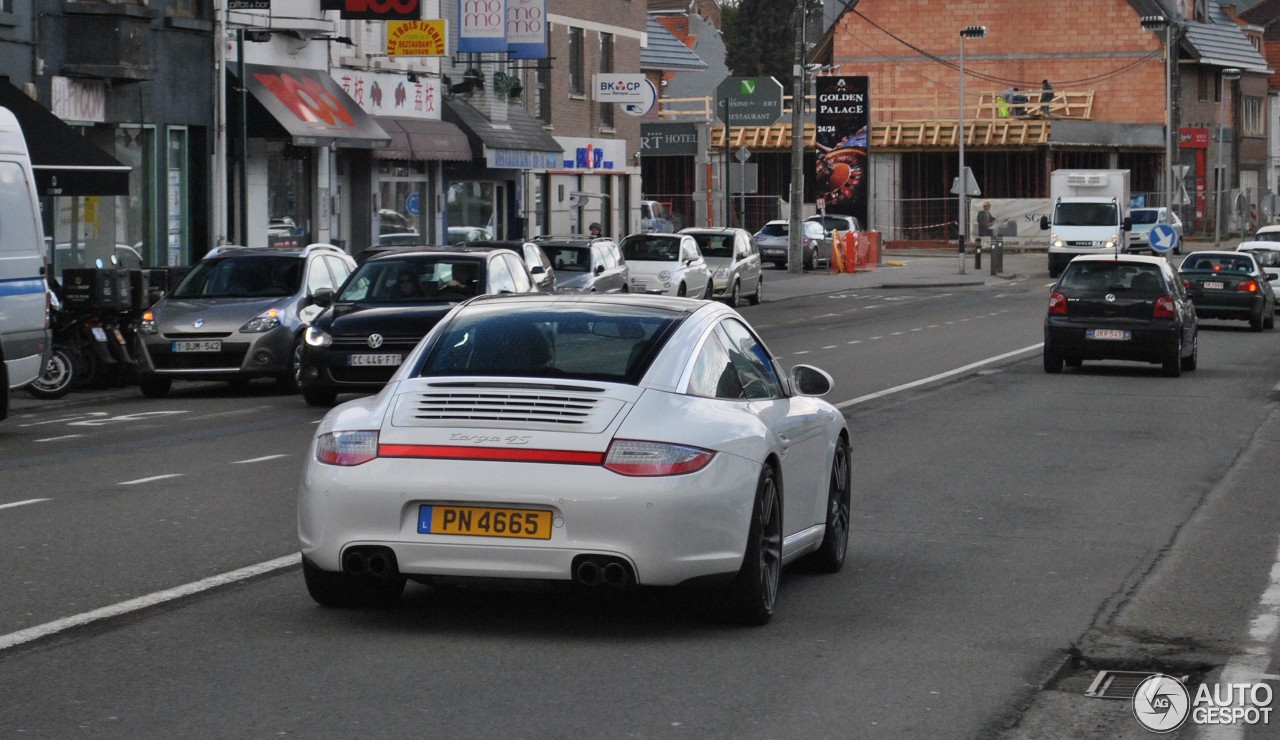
x=1124 y=307
x=388 y=305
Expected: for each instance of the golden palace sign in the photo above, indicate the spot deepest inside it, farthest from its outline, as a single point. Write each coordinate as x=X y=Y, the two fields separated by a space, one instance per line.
x=417 y=38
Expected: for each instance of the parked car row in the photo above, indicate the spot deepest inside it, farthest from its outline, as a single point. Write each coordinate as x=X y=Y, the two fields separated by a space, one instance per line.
x=1139 y=308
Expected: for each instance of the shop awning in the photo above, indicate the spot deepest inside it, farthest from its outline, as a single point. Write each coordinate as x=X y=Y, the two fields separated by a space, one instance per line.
x=520 y=143
x=308 y=108
x=422 y=139
x=65 y=162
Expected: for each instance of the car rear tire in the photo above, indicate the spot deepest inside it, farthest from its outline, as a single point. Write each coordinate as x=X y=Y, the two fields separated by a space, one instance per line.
x=682 y=291
x=1074 y=362
x=1255 y=323
x=1269 y=322
x=319 y=396
x=154 y=386
x=345 y=591
x=759 y=294
x=734 y=295
x=709 y=291
x=754 y=592
x=1052 y=362
x=1192 y=360
x=811 y=259
x=829 y=557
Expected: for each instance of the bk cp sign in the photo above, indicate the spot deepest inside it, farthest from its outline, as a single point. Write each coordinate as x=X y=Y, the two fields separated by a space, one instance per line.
x=749 y=101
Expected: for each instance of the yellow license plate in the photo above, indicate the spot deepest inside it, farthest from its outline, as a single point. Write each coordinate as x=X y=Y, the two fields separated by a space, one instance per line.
x=481 y=521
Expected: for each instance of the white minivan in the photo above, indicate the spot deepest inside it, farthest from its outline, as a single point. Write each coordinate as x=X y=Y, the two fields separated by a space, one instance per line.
x=24 y=295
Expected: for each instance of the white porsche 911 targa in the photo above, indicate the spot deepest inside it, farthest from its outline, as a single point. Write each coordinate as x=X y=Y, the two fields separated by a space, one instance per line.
x=603 y=441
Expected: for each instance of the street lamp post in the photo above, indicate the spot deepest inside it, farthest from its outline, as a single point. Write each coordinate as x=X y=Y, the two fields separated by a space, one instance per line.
x=962 y=220
x=1153 y=23
x=1228 y=75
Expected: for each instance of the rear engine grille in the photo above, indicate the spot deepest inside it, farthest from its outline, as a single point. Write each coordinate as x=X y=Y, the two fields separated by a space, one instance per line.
x=519 y=406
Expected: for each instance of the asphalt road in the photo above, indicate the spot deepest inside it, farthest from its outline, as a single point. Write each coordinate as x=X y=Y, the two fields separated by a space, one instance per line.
x=1012 y=530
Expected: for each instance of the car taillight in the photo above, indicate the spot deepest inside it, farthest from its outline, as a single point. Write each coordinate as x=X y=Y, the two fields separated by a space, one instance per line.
x=1250 y=286
x=1164 y=308
x=347 y=448
x=639 y=458
x=1057 y=304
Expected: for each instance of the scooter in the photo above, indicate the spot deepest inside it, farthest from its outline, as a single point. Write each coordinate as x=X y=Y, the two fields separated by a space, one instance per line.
x=89 y=349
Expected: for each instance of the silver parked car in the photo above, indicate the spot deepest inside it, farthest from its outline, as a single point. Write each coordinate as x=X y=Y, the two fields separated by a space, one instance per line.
x=584 y=264
x=1144 y=219
x=734 y=262
x=774 y=242
x=238 y=315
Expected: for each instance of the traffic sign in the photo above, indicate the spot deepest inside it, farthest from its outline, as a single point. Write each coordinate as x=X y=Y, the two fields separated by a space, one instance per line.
x=1162 y=238
x=749 y=101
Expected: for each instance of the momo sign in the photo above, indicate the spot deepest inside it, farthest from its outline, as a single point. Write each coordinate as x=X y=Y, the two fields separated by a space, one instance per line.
x=482 y=26
x=618 y=88
x=527 y=29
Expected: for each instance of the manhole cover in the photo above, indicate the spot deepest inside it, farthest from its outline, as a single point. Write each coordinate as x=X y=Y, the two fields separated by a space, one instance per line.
x=1120 y=684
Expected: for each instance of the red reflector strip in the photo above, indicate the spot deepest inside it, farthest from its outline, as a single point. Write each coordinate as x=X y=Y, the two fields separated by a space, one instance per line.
x=499 y=454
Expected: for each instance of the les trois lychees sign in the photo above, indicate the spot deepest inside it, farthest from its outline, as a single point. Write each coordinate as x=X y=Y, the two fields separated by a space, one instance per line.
x=375 y=10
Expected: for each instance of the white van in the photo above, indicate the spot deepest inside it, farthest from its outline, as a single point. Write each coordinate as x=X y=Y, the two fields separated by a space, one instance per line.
x=24 y=296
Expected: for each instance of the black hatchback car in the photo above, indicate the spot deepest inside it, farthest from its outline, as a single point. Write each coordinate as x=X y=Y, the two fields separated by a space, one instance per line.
x=1124 y=307
x=385 y=308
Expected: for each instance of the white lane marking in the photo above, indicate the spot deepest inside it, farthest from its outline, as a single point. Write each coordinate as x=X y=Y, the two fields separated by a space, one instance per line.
x=13 y=639
x=65 y=419
x=234 y=412
x=856 y=341
x=801 y=352
x=831 y=346
x=258 y=459
x=59 y=439
x=24 y=503
x=934 y=378
x=148 y=480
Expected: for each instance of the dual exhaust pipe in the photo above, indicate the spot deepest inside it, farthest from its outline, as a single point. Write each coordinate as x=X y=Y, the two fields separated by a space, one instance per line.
x=602 y=570
x=378 y=562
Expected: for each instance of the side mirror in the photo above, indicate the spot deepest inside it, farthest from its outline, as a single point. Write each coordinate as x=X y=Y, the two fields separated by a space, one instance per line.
x=154 y=295
x=808 y=380
x=537 y=270
x=1127 y=224
x=323 y=297
x=599 y=269
x=1044 y=222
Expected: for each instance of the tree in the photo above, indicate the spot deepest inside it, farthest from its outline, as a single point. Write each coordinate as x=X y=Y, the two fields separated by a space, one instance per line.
x=758 y=38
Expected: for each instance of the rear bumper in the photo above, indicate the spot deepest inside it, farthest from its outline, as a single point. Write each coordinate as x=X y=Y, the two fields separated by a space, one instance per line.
x=1147 y=344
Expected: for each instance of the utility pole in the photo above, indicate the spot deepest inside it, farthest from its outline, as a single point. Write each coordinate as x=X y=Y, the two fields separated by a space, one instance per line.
x=795 y=259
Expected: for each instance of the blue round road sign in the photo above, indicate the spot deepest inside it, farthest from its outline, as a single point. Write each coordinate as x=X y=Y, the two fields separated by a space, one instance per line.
x=1162 y=238
x=411 y=204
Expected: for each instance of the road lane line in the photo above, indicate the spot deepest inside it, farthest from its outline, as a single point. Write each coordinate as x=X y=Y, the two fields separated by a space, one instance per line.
x=148 y=480
x=258 y=459
x=935 y=378
x=21 y=637
x=24 y=503
x=59 y=439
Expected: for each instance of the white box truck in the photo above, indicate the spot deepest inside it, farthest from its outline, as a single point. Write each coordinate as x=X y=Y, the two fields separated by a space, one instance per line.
x=1090 y=215
x=24 y=294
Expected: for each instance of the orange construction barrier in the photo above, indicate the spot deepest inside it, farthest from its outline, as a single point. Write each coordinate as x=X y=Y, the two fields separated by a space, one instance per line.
x=837 y=261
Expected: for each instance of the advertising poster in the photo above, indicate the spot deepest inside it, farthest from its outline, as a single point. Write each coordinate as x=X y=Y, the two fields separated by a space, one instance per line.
x=843 y=120
x=527 y=29
x=482 y=26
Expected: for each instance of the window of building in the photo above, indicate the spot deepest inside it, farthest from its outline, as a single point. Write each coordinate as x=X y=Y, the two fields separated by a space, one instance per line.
x=6 y=6
x=185 y=8
x=577 y=85
x=1202 y=85
x=1253 y=122
x=542 y=84
x=606 y=66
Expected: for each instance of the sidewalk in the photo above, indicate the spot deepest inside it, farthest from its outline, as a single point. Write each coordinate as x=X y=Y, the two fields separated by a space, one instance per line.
x=912 y=268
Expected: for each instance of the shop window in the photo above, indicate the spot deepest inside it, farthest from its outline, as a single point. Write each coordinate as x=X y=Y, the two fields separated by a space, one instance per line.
x=289 y=183
x=186 y=8
x=542 y=82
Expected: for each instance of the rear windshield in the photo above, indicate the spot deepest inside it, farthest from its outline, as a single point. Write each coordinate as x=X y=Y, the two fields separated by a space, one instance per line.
x=568 y=259
x=1265 y=257
x=1110 y=277
x=647 y=248
x=1142 y=217
x=715 y=245
x=607 y=343
x=775 y=230
x=242 y=277
x=1267 y=236
x=1219 y=263
x=413 y=281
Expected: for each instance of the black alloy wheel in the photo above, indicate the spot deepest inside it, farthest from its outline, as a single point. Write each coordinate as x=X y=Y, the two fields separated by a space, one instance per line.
x=290 y=381
x=829 y=558
x=754 y=592
x=734 y=295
